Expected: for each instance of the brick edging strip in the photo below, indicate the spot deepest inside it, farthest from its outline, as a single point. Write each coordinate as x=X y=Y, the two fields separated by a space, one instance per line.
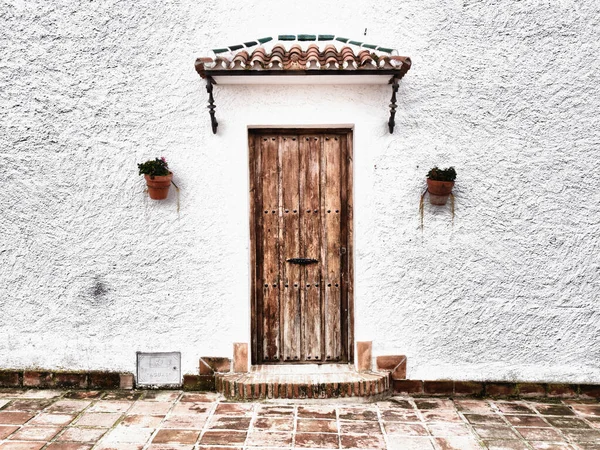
x=451 y=388
x=60 y=379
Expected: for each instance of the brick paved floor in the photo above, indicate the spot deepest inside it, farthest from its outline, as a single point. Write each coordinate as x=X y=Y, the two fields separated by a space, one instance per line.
x=161 y=420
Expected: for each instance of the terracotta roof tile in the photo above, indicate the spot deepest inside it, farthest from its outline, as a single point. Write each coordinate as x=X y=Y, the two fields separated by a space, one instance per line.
x=311 y=57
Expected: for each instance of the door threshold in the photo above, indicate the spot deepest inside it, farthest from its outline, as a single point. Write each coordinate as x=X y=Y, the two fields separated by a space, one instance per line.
x=299 y=369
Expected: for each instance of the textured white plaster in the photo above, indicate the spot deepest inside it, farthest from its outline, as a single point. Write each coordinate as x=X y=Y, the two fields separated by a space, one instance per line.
x=506 y=91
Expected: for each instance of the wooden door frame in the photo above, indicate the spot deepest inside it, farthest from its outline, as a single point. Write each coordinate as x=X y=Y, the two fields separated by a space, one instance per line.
x=346 y=175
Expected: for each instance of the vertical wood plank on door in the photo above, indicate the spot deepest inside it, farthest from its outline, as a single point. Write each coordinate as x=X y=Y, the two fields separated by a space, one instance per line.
x=348 y=176
x=290 y=301
x=270 y=247
x=310 y=229
x=331 y=220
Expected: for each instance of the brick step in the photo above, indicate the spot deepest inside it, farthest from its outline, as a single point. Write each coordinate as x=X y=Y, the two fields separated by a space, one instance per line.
x=266 y=385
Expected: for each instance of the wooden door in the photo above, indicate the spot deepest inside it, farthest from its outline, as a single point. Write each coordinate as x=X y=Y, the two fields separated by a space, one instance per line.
x=301 y=234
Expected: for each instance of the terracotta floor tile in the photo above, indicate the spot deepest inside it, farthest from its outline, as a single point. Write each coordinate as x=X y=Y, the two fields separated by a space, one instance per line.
x=358 y=414
x=7 y=430
x=317 y=412
x=449 y=429
x=110 y=406
x=52 y=419
x=14 y=417
x=150 y=408
x=495 y=432
x=68 y=446
x=27 y=405
x=409 y=443
x=583 y=435
x=269 y=439
x=68 y=406
x=122 y=395
x=488 y=419
x=175 y=436
x=405 y=429
x=118 y=446
x=129 y=435
x=316 y=440
x=399 y=415
x=42 y=393
x=553 y=409
x=191 y=408
x=235 y=409
x=432 y=403
x=316 y=426
x=537 y=445
x=514 y=408
x=223 y=438
x=229 y=423
x=22 y=445
x=400 y=402
x=359 y=427
x=586 y=410
x=77 y=434
x=540 y=434
x=441 y=416
x=361 y=441
x=275 y=411
x=274 y=423
x=203 y=397
x=96 y=419
x=474 y=406
x=143 y=421
x=527 y=421
x=505 y=445
x=33 y=433
x=210 y=447
x=457 y=443
x=174 y=447
x=194 y=422
x=81 y=395
x=567 y=422
x=161 y=396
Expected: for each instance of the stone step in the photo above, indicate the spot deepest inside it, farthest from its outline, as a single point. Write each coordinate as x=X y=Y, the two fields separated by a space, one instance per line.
x=269 y=384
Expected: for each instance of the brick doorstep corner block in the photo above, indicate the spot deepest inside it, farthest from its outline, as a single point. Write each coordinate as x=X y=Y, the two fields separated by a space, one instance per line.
x=9 y=378
x=126 y=381
x=364 y=351
x=500 y=389
x=214 y=364
x=395 y=364
x=240 y=357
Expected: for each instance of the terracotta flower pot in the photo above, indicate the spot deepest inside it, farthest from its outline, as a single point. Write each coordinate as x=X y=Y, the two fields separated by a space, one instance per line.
x=439 y=191
x=158 y=187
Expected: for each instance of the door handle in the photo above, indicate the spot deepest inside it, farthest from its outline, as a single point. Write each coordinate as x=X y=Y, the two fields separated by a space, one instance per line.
x=302 y=261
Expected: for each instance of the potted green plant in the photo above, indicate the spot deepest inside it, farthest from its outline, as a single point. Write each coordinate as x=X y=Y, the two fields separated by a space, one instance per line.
x=439 y=184
x=158 y=177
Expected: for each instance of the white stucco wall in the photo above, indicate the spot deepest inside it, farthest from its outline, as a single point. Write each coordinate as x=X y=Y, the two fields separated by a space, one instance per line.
x=507 y=92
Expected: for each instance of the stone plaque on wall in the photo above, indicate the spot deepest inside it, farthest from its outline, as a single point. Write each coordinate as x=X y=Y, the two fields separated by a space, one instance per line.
x=159 y=369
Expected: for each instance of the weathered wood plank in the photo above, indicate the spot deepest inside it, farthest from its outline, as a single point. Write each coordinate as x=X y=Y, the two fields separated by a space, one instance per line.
x=270 y=238
x=310 y=237
x=255 y=218
x=290 y=172
x=349 y=221
x=332 y=245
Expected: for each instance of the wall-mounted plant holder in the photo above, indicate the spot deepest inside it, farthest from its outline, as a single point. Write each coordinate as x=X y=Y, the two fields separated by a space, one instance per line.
x=439 y=185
